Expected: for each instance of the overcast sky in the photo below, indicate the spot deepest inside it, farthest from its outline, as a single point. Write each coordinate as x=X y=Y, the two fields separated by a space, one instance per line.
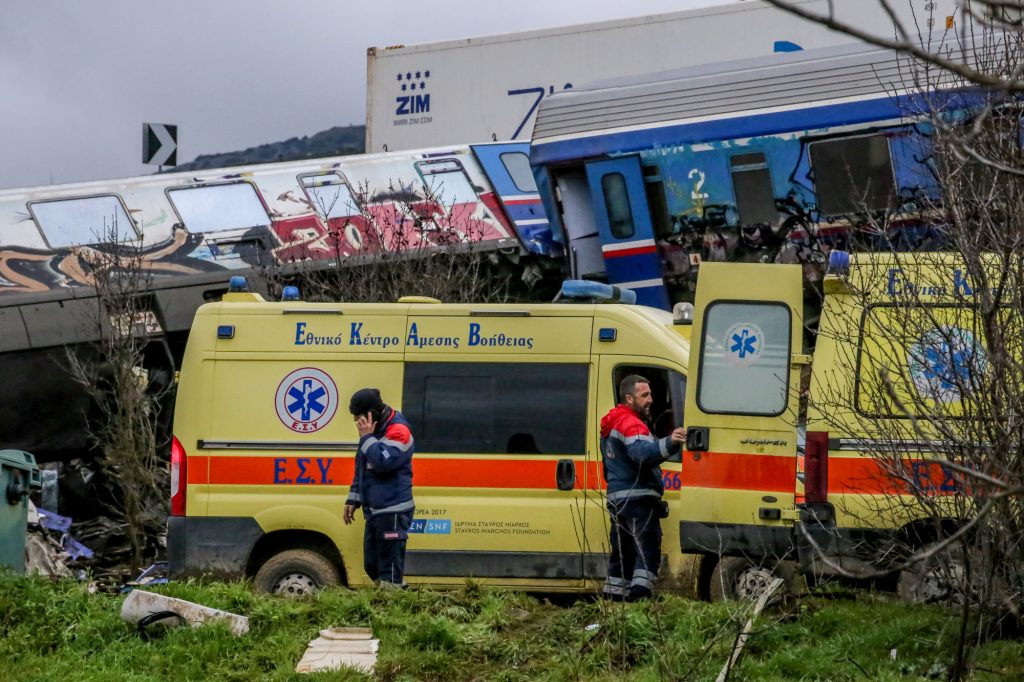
x=79 y=78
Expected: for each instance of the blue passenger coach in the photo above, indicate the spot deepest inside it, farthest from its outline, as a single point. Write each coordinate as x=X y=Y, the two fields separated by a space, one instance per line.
x=778 y=158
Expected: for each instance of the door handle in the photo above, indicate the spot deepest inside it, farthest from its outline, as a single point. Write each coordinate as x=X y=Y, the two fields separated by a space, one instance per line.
x=565 y=474
x=697 y=439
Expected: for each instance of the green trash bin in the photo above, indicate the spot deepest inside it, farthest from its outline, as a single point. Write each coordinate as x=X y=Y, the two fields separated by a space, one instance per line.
x=18 y=476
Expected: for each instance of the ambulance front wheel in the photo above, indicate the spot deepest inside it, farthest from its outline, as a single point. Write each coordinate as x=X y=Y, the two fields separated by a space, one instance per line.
x=296 y=573
x=738 y=578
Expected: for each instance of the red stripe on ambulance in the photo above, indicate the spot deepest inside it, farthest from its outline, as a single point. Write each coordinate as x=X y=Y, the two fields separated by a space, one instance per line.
x=739 y=471
x=428 y=471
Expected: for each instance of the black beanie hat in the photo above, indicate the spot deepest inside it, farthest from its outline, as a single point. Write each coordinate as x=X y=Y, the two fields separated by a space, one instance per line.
x=365 y=400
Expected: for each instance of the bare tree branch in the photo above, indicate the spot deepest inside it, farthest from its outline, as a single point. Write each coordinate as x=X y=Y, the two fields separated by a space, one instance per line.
x=977 y=76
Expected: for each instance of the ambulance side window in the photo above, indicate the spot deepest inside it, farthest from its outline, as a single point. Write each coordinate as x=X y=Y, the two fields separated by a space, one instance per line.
x=919 y=361
x=497 y=408
x=668 y=388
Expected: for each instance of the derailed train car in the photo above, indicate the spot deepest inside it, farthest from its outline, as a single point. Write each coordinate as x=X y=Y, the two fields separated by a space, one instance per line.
x=192 y=231
x=773 y=159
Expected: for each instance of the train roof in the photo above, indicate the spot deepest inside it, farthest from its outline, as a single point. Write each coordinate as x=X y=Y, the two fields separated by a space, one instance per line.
x=773 y=83
x=174 y=178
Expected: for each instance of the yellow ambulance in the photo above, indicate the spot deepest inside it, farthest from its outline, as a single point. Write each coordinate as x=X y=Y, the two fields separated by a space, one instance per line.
x=833 y=460
x=780 y=476
x=504 y=401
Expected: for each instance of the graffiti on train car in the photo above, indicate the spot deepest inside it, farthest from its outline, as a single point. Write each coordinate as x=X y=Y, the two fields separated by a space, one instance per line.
x=258 y=217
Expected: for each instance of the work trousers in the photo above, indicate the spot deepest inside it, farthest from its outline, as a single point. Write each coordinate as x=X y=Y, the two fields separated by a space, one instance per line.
x=636 y=550
x=384 y=539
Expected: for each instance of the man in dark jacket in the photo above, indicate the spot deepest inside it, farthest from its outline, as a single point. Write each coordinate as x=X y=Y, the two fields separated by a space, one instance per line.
x=632 y=471
x=382 y=486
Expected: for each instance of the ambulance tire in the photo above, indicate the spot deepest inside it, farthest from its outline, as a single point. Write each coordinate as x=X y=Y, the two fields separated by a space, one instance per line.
x=740 y=579
x=296 y=573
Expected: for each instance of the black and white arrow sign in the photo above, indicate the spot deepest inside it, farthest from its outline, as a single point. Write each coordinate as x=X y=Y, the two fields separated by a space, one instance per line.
x=159 y=144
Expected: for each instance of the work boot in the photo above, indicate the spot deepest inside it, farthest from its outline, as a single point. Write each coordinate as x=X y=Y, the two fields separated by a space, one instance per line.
x=638 y=594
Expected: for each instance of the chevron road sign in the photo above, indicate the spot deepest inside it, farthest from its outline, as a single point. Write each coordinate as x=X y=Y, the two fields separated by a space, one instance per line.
x=159 y=144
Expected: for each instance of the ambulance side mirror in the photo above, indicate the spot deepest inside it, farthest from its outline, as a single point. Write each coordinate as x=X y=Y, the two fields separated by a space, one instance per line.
x=697 y=439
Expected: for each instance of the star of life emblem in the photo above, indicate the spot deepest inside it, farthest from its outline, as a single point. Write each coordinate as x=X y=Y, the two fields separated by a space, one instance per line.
x=306 y=400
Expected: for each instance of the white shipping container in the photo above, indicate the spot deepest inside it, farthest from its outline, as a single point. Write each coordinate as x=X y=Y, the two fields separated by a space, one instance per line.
x=483 y=89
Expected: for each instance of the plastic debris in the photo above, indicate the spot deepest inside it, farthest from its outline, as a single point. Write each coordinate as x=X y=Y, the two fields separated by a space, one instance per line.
x=337 y=647
x=53 y=521
x=156 y=574
x=140 y=604
x=75 y=549
x=55 y=529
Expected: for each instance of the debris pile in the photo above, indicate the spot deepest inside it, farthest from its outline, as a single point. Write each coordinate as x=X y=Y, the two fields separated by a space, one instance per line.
x=98 y=551
x=108 y=540
x=49 y=548
x=83 y=539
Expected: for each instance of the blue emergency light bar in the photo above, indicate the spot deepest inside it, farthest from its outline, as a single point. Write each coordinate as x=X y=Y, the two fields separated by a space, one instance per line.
x=238 y=284
x=838 y=263
x=585 y=290
x=290 y=293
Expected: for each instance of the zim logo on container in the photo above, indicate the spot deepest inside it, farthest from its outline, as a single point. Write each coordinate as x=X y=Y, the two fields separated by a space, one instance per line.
x=413 y=99
x=306 y=400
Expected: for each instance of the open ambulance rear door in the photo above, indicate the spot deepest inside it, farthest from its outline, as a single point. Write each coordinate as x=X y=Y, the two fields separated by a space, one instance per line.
x=742 y=404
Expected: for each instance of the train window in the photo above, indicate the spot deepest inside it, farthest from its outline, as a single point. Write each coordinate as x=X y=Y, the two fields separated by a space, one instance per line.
x=752 y=185
x=82 y=221
x=329 y=195
x=616 y=202
x=446 y=181
x=213 y=208
x=518 y=166
x=853 y=174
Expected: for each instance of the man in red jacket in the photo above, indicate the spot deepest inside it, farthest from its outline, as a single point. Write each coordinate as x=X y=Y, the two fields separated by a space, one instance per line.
x=632 y=460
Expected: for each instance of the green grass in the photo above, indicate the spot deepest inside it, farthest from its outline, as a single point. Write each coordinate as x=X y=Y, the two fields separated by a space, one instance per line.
x=61 y=632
